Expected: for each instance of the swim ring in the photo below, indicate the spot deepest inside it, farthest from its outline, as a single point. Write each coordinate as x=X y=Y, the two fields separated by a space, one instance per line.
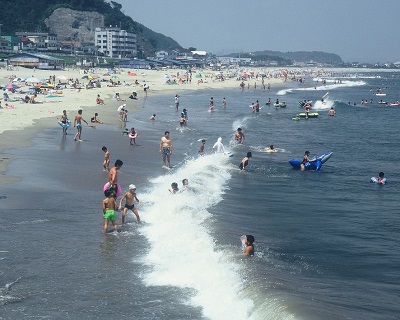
x=119 y=189
x=375 y=180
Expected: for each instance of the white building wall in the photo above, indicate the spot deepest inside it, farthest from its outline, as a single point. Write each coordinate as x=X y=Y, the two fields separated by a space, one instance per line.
x=114 y=42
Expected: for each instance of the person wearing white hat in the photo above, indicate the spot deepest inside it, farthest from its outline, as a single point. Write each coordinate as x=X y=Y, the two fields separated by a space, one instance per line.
x=130 y=197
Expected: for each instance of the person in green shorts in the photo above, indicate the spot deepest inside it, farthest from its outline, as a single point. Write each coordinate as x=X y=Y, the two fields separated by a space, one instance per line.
x=109 y=205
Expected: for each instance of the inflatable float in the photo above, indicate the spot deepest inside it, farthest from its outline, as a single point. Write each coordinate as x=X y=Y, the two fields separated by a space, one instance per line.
x=375 y=180
x=119 y=189
x=132 y=136
x=65 y=125
x=314 y=163
x=310 y=115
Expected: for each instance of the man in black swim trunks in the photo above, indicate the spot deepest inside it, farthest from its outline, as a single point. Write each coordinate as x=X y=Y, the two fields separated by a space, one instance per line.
x=130 y=197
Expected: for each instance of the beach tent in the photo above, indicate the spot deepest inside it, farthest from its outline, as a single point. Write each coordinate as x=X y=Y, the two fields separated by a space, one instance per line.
x=12 y=86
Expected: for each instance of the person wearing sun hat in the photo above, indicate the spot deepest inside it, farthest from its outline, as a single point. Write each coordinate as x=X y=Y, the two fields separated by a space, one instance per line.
x=130 y=197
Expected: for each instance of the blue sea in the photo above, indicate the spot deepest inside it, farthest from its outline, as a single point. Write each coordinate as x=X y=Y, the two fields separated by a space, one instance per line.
x=326 y=241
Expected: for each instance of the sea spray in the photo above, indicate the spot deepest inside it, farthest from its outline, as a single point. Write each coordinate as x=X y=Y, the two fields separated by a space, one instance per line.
x=182 y=250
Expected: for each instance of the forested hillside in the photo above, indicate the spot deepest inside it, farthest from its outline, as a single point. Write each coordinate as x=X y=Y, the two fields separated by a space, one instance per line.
x=29 y=15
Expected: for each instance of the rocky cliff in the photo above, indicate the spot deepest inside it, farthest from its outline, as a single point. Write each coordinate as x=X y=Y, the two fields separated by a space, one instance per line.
x=74 y=25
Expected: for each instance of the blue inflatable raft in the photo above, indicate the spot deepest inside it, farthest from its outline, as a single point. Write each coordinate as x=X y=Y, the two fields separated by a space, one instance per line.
x=314 y=163
x=65 y=125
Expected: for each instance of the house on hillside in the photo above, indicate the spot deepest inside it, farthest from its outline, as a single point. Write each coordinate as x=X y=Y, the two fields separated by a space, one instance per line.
x=38 y=61
x=41 y=41
x=14 y=43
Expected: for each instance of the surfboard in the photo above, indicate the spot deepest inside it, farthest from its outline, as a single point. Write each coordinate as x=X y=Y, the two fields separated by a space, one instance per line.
x=325 y=95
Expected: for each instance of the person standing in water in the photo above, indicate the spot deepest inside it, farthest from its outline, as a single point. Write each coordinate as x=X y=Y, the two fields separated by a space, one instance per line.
x=212 y=103
x=249 y=249
x=78 y=124
x=218 y=146
x=130 y=197
x=113 y=176
x=201 y=150
x=64 y=121
x=176 y=102
x=106 y=163
x=166 y=149
x=224 y=103
x=245 y=161
x=109 y=206
x=239 y=136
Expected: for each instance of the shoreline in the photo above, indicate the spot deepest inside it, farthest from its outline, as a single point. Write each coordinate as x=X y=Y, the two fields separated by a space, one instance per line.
x=25 y=120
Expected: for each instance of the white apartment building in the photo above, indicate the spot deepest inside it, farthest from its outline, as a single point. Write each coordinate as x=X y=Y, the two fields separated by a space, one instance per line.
x=115 y=43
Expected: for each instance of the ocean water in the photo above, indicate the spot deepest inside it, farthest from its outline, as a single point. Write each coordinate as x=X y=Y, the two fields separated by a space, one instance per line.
x=326 y=242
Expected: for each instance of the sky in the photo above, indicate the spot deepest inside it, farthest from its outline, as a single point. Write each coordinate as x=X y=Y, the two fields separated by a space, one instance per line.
x=356 y=30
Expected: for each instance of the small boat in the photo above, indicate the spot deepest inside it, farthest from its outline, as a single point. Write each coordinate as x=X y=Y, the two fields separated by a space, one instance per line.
x=314 y=163
x=310 y=115
x=380 y=94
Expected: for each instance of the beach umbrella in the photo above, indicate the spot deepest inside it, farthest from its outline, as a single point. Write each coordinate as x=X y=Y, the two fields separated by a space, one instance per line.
x=106 y=75
x=167 y=76
x=32 y=80
x=114 y=77
x=62 y=77
x=18 y=79
x=132 y=74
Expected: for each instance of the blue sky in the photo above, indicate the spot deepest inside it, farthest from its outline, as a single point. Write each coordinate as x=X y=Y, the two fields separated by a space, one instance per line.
x=363 y=30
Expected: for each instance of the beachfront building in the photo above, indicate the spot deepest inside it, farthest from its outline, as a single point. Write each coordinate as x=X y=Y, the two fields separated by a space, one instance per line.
x=235 y=61
x=14 y=43
x=4 y=44
x=38 y=61
x=162 y=54
x=115 y=43
x=42 y=41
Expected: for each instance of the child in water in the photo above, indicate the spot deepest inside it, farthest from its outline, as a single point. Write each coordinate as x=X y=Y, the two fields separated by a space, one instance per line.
x=109 y=205
x=381 y=178
x=249 y=242
x=130 y=197
x=106 y=162
x=174 y=188
x=201 y=150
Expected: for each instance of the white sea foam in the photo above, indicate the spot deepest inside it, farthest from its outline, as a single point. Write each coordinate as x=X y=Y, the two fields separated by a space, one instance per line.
x=182 y=251
x=325 y=87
